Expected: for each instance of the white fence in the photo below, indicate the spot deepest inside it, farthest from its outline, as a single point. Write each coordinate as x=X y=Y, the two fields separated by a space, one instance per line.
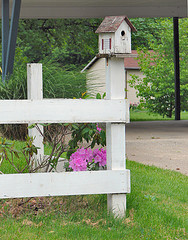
x=115 y=181
x=58 y=184
x=62 y=110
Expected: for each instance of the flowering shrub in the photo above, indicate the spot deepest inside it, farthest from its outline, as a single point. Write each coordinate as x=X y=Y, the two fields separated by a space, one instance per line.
x=98 y=129
x=84 y=159
x=99 y=157
x=91 y=133
x=87 y=133
x=10 y=154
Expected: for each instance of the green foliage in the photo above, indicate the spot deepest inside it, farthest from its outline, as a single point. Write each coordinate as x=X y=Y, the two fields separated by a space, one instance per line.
x=58 y=82
x=156 y=209
x=66 y=41
x=62 y=46
x=147 y=30
x=144 y=115
x=62 y=82
x=99 y=96
x=10 y=154
x=67 y=138
x=15 y=86
x=61 y=140
x=74 y=41
x=87 y=133
x=156 y=90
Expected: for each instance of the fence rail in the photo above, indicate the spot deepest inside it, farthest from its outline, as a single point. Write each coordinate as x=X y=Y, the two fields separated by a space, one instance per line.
x=62 y=110
x=115 y=181
x=58 y=184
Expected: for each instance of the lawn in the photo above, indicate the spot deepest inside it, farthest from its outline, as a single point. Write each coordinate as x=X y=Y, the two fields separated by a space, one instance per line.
x=156 y=209
x=20 y=163
x=141 y=115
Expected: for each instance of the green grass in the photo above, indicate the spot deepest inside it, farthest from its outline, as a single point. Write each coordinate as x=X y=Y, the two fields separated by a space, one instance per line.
x=141 y=115
x=156 y=209
x=7 y=168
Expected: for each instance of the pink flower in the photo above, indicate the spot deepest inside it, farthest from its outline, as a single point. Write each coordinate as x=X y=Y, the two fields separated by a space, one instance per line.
x=98 y=128
x=77 y=162
x=100 y=157
x=80 y=159
x=89 y=155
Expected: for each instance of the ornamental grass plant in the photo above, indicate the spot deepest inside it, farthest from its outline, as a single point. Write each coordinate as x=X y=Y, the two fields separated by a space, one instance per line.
x=58 y=82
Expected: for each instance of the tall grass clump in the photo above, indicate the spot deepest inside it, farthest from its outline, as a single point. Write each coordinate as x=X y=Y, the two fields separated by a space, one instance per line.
x=58 y=82
x=63 y=82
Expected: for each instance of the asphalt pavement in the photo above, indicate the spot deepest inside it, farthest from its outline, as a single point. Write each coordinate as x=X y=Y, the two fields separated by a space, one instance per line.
x=160 y=143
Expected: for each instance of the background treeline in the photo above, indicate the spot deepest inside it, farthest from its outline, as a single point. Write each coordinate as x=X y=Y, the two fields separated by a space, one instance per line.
x=73 y=42
x=65 y=46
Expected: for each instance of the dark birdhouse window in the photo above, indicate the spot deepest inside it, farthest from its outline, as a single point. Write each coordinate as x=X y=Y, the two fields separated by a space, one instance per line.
x=106 y=43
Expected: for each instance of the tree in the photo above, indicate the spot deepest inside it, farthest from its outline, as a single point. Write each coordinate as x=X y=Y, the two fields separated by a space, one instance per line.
x=147 y=30
x=74 y=41
x=156 y=89
x=66 y=41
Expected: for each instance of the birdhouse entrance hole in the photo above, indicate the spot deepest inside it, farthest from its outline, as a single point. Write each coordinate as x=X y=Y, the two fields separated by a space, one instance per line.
x=123 y=33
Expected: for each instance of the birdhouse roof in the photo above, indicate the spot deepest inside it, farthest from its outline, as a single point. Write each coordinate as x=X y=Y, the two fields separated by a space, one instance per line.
x=112 y=23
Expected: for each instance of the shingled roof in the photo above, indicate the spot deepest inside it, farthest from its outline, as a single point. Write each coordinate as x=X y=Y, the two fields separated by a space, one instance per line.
x=111 y=24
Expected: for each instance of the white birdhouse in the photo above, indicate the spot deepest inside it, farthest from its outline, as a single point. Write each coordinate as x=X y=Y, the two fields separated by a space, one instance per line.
x=115 y=35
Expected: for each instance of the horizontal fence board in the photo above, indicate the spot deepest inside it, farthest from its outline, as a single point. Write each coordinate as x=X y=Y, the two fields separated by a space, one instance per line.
x=62 y=184
x=62 y=111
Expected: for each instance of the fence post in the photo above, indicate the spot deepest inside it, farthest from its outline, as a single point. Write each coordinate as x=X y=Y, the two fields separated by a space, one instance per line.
x=35 y=92
x=115 y=132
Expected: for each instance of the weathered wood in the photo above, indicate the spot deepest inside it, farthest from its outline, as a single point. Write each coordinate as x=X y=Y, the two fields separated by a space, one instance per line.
x=115 y=133
x=118 y=55
x=62 y=110
x=127 y=111
x=34 y=81
x=58 y=184
x=35 y=92
x=116 y=146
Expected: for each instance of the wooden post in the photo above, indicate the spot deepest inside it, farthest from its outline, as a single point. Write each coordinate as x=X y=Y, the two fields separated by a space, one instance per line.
x=35 y=92
x=115 y=132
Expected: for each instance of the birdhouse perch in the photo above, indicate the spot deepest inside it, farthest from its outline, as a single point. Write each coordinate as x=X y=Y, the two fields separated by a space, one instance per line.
x=115 y=35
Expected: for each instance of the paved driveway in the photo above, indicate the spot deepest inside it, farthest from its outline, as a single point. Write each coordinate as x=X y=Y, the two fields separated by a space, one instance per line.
x=160 y=143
